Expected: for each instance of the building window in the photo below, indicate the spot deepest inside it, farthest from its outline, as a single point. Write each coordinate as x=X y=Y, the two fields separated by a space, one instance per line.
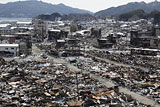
x=12 y=48
x=6 y=48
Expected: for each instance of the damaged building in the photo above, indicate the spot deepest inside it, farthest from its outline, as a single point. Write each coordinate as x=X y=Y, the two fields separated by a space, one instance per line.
x=95 y=32
x=40 y=30
x=25 y=43
x=71 y=48
x=104 y=43
x=5 y=29
x=108 y=42
x=146 y=39
x=54 y=34
x=8 y=50
x=23 y=40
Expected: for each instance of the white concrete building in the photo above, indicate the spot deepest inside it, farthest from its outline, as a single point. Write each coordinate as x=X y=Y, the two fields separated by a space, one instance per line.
x=9 y=49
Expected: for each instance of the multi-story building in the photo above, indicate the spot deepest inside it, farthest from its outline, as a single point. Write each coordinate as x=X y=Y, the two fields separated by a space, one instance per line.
x=9 y=49
x=146 y=39
x=54 y=35
x=40 y=30
x=22 y=39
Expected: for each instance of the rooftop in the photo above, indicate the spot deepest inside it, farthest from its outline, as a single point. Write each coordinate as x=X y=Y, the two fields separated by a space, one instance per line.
x=54 y=30
x=4 y=25
x=24 y=22
x=9 y=36
x=60 y=40
x=9 y=45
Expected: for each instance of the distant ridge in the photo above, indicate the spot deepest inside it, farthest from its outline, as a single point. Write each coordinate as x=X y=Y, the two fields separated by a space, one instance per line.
x=71 y=17
x=147 y=7
x=140 y=14
x=32 y=8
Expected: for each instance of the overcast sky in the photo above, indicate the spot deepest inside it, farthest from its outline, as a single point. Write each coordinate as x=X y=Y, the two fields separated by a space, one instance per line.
x=91 y=5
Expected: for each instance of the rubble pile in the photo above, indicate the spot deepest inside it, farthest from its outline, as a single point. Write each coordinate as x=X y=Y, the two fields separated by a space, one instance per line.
x=2 y=61
x=135 y=79
x=44 y=46
x=49 y=84
x=144 y=61
x=49 y=49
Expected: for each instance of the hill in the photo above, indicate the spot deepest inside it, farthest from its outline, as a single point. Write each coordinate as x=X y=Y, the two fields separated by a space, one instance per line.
x=147 y=7
x=140 y=14
x=32 y=8
x=133 y=15
x=71 y=17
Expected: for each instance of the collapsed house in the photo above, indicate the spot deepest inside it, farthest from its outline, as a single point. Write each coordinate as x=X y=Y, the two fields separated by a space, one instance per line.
x=55 y=85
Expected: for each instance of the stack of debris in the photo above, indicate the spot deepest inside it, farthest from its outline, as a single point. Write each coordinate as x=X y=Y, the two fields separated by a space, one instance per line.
x=49 y=84
x=135 y=79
